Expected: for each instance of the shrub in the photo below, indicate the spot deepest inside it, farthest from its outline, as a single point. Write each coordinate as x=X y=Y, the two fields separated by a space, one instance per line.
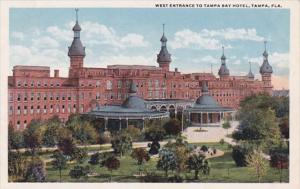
x=279 y=160
x=154 y=147
x=222 y=141
x=173 y=127
x=35 y=172
x=239 y=154
x=175 y=178
x=214 y=151
x=95 y=158
x=79 y=171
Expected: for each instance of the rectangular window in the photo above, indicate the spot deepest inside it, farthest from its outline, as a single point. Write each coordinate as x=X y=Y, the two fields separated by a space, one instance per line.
x=10 y=110
x=119 y=84
x=51 y=108
x=31 y=110
x=45 y=109
x=69 y=108
x=63 y=109
x=32 y=96
x=25 y=110
x=38 y=96
x=11 y=96
x=57 y=96
x=45 y=96
x=19 y=110
x=69 y=96
x=38 y=109
x=18 y=97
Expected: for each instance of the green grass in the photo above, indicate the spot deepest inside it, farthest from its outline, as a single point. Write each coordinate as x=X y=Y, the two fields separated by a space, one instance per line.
x=129 y=168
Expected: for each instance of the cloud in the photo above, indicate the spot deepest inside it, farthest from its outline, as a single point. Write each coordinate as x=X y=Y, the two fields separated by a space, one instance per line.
x=18 y=35
x=45 y=42
x=207 y=59
x=190 y=39
x=125 y=60
x=60 y=33
x=233 y=34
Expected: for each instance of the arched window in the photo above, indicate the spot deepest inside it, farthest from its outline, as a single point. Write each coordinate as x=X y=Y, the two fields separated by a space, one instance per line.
x=108 y=85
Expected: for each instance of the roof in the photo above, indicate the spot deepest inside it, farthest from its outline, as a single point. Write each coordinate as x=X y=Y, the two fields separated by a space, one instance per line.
x=76 y=48
x=164 y=56
x=163 y=38
x=40 y=68
x=223 y=70
x=250 y=75
x=76 y=27
x=266 y=67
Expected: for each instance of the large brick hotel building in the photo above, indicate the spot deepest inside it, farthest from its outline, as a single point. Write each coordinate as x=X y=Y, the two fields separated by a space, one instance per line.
x=34 y=94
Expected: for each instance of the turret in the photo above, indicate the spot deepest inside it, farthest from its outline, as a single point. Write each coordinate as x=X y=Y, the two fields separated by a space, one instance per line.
x=266 y=72
x=250 y=75
x=164 y=57
x=76 y=50
x=223 y=71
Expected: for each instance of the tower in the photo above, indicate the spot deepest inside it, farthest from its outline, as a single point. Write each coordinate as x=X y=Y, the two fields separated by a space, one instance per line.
x=266 y=72
x=76 y=50
x=223 y=71
x=164 y=57
x=250 y=75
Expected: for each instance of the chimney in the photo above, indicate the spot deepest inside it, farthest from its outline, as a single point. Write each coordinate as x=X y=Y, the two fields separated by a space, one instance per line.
x=56 y=73
x=176 y=69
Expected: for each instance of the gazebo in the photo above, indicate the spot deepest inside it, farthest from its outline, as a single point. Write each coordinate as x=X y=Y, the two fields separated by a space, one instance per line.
x=206 y=111
x=133 y=108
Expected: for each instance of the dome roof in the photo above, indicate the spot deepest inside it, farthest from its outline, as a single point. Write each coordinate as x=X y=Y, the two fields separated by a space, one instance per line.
x=134 y=102
x=76 y=27
x=76 y=48
x=205 y=101
x=164 y=56
x=266 y=67
x=223 y=70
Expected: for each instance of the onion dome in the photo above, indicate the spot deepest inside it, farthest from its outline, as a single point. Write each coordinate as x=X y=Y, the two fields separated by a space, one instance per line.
x=76 y=48
x=223 y=71
x=164 y=57
x=205 y=100
x=134 y=101
x=266 y=67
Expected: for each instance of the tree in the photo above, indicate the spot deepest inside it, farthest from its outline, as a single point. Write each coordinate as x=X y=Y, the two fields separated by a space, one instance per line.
x=65 y=142
x=167 y=161
x=154 y=131
x=226 y=126
x=59 y=161
x=141 y=155
x=111 y=163
x=134 y=132
x=33 y=136
x=154 y=147
x=80 y=155
x=17 y=164
x=173 y=127
x=35 y=172
x=82 y=130
x=222 y=142
x=198 y=163
x=121 y=144
x=15 y=138
x=258 y=163
x=51 y=134
x=284 y=127
x=259 y=127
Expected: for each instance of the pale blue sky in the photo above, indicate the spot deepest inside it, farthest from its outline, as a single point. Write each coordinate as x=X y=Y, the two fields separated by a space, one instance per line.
x=131 y=36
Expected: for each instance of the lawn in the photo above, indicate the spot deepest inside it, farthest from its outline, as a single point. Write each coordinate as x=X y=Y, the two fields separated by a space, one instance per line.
x=128 y=171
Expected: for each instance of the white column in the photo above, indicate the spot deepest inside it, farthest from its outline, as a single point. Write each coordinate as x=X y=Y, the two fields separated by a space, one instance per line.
x=120 y=126
x=143 y=124
x=127 y=123
x=105 y=124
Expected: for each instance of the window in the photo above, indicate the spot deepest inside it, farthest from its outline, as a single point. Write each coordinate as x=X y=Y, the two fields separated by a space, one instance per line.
x=38 y=109
x=98 y=84
x=51 y=108
x=74 y=108
x=45 y=96
x=97 y=95
x=119 y=96
x=18 y=125
x=45 y=109
x=69 y=108
x=32 y=96
x=51 y=85
x=156 y=94
x=57 y=96
x=57 y=84
x=38 y=83
x=11 y=96
x=25 y=124
x=150 y=94
x=10 y=110
x=51 y=96
x=69 y=96
x=149 y=83
x=18 y=97
x=25 y=110
x=82 y=95
x=108 y=85
x=38 y=96
x=63 y=108
x=81 y=108
x=57 y=108
x=25 y=84
x=45 y=84
x=127 y=84
x=19 y=110
x=19 y=83
x=63 y=96
x=31 y=110
x=32 y=84
x=119 y=84
x=156 y=83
